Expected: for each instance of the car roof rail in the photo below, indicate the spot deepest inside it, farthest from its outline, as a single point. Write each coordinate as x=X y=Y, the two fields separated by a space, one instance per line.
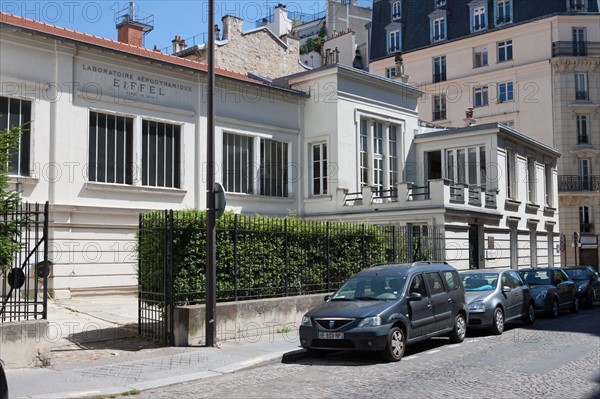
x=427 y=262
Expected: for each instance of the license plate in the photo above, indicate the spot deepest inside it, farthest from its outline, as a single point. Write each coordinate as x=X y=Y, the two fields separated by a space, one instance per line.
x=331 y=335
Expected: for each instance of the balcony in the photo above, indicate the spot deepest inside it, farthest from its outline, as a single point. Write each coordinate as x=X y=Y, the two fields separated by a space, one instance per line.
x=575 y=49
x=581 y=95
x=568 y=183
x=583 y=139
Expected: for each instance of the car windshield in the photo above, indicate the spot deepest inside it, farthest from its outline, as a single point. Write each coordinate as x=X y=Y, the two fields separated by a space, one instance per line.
x=577 y=274
x=537 y=277
x=370 y=288
x=479 y=281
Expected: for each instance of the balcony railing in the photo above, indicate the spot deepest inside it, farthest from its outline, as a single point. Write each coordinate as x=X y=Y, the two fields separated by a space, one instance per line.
x=575 y=49
x=581 y=95
x=439 y=77
x=578 y=183
x=503 y=20
x=583 y=139
x=439 y=115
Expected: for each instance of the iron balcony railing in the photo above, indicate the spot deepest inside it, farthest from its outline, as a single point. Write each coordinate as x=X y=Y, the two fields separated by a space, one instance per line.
x=578 y=183
x=439 y=77
x=576 y=49
x=581 y=95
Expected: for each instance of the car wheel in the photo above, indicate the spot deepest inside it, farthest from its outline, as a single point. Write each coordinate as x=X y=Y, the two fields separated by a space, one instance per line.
x=498 y=322
x=529 y=317
x=575 y=308
x=396 y=343
x=555 y=309
x=460 y=329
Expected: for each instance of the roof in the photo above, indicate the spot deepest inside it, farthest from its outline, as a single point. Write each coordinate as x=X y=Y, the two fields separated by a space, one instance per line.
x=30 y=25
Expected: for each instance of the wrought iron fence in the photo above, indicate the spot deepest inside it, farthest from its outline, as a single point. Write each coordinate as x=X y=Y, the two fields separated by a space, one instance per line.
x=294 y=257
x=24 y=283
x=578 y=183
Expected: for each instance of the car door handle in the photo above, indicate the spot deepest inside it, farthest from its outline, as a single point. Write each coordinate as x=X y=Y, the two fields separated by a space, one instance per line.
x=428 y=306
x=450 y=300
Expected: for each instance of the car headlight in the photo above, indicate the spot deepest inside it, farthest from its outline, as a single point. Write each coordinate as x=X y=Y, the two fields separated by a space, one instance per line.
x=541 y=295
x=306 y=321
x=477 y=306
x=370 y=322
x=582 y=287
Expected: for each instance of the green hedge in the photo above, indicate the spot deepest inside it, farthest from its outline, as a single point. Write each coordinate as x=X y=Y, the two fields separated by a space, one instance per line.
x=256 y=256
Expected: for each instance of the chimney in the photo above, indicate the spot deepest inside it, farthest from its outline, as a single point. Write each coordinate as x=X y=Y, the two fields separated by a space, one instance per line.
x=400 y=68
x=469 y=120
x=217 y=32
x=131 y=28
x=178 y=44
x=232 y=27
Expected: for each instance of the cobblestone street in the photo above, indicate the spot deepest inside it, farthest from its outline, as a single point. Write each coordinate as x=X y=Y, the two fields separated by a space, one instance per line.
x=556 y=359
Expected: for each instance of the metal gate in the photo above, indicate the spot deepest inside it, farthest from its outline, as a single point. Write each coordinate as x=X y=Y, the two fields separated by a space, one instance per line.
x=24 y=283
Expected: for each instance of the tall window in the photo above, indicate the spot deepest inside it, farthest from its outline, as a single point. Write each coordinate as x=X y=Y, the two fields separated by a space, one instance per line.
x=439 y=69
x=161 y=154
x=478 y=18
x=466 y=166
x=511 y=174
x=531 y=181
x=505 y=51
x=581 y=86
x=503 y=12
x=273 y=168
x=438 y=29
x=379 y=154
x=110 y=148
x=585 y=219
x=505 y=92
x=319 y=169
x=583 y=130
x=238 y=160
x=579 y=42
x=480 y=57
x=480 y=96
x=392 y=157
x=394 y=41
x=439 y=107
x=585 y=173
x=396 y=10
x=548 y=185
x=15 y=112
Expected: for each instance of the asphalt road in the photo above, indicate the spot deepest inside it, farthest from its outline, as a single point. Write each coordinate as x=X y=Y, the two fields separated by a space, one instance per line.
x=556 y=358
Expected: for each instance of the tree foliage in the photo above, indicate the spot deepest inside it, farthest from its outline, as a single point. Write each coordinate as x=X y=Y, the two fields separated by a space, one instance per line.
x=9 y=199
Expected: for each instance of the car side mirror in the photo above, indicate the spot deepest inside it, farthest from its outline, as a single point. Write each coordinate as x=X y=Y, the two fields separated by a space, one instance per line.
x=506 y=288
x=327 y=298
x=415 y=296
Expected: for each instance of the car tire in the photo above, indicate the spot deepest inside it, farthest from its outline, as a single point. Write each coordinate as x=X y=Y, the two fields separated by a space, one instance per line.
x=460 y=330
x=396 y=344
x=555 y=310
x=575 y=308
x=529 y=317
x=497 y=322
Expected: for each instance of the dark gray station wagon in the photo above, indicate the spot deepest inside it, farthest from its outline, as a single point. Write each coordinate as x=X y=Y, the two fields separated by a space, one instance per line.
x=385 y=307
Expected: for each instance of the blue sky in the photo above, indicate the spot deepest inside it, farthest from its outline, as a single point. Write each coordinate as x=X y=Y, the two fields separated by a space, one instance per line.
x=184 y=18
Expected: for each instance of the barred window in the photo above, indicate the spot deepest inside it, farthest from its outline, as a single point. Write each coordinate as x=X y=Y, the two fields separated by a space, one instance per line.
x=161 y=154
x=15 y=112
x=238 y=157
x=273 y=168
x=110 y=148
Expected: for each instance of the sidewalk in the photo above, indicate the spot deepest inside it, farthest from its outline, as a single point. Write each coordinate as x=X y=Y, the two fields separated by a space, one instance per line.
x=96 y=352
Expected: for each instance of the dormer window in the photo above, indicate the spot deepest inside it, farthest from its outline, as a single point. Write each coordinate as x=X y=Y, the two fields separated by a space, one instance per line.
x=439 y=3
x=396 y=10
x=437 y=26
x=478 y=15
x=577 y=5
x=503 y=12
x=394 y=41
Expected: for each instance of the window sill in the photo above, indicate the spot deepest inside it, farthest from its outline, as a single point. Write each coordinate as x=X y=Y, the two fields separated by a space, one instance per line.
x=318 y=198
x=549 y=209
x=256 y=197
x=509 y=202
x=530 y=207
x=25 y=180
x=127 y=188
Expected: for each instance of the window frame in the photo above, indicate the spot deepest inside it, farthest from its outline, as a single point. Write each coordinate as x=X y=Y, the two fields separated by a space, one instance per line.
x=582 y=123
x=581 y=93
x=504 y=51
x=482 y=94
x=175 y=156
x=531 y=180
x=439 y=68
x=506 y=92
x=439 y=107
x=21 y=160
x=394 y=38
x=502 y=18
x=245 y=169
x=319 y=169
x=478 y=17
x=585 y=219
x=482 y=52
x=396 y=10
x=512 y=189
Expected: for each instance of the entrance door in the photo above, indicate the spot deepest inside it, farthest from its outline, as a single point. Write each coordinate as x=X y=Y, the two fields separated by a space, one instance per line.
x=473 y=246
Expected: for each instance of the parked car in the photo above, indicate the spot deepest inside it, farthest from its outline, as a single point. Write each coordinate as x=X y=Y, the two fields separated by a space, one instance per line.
x=552 y=290
x=386 y=307
x=588 y=284
x=495 y=297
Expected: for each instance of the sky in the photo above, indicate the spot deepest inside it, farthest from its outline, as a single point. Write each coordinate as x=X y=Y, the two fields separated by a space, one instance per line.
x=186 y=18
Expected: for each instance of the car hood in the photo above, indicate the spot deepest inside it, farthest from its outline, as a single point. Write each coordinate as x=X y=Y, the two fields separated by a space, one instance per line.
x=473 y=296
x=353 y=309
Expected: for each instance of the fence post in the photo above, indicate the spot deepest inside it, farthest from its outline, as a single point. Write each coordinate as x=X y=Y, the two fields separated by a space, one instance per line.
x=328 y=259
x=235 y=257
x=170 y=288
x=46 y=271
x=165 y=272
x=140 y=271
x=364 y=247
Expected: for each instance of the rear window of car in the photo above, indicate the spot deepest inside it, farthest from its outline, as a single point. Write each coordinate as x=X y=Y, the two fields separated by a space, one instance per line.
x=435 y=284
x=452 y=280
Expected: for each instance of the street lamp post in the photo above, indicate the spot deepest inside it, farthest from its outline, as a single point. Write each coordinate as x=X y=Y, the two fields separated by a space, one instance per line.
x=211 y=253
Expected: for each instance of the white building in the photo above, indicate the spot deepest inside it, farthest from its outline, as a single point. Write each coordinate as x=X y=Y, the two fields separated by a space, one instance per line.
x=117 y=129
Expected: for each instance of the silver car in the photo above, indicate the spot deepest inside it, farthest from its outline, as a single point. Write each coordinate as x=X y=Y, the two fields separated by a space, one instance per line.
x=496 y=297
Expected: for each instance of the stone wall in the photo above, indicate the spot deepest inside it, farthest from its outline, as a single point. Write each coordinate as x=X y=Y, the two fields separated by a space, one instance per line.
x=25 y=344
